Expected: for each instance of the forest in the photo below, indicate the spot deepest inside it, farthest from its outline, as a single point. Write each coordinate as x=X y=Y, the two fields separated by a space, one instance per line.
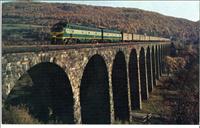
x=124 y=19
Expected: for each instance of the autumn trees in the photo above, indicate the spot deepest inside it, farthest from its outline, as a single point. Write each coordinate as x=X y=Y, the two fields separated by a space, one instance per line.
x=124 y=19
x=185 y=80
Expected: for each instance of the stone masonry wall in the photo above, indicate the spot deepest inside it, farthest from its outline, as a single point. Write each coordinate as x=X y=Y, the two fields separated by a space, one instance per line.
x=72 y=61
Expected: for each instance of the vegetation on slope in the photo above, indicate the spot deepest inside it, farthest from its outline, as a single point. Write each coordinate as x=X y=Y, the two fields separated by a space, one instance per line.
x=124 y=19
x=185 y=81
x=17 y=115
x=175 y=99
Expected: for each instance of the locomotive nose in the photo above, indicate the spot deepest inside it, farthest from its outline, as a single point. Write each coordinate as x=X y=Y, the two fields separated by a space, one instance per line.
x=56 y=33
x=53 y=33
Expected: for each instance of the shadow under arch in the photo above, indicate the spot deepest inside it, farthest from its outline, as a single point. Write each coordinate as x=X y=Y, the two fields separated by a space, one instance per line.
x=149 y=70
x=153 y=66
x=157 y=62
x=160 y=60
x=134 y=82
x=120 y=87
x=143 y=80
x=94 y=92
x=45 y=89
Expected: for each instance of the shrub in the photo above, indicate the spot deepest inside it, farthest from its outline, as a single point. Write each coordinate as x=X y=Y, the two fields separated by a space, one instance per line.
x=17 y=115
x=186 y=82
x=174 y=63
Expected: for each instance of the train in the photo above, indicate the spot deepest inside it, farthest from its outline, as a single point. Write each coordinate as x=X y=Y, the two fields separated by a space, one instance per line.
x=67 y=33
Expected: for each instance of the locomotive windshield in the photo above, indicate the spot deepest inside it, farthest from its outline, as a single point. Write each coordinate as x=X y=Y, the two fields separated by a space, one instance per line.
x=58 y=27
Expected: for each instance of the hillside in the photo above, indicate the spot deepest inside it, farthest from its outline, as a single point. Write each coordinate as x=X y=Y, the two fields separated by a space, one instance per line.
x=124 y=19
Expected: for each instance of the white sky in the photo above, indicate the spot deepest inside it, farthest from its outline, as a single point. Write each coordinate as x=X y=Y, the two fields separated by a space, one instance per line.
x=182 y=9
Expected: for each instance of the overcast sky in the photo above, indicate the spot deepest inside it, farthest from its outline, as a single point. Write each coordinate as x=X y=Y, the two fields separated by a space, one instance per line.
x=182 y=9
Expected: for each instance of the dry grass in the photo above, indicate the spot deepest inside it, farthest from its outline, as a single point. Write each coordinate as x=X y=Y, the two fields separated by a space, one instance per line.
x=157 y=104
x=17 y=115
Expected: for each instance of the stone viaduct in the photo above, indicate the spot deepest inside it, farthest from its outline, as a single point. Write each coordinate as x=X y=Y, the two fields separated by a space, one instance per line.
x=91 y=84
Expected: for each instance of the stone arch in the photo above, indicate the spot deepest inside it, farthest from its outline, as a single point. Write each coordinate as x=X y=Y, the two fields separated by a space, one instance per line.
x=120 y=87
x=153 y=66
x=46 y=90
x=134 y=82
x=94 y=92
x=143 y=78
x=149 y=69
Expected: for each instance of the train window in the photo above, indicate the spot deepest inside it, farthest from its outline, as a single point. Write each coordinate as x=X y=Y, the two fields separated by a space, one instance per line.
x=57 y=27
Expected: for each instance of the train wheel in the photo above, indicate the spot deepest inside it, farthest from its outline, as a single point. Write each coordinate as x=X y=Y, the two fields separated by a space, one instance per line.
x=53 y=41
x=94 y=41
x=71 y=41
x=109 y=41
x=65 y=41
x=101 y=41
x=78 y=41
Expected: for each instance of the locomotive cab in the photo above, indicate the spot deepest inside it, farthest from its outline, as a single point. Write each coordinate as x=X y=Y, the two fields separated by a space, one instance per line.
x=57 y=32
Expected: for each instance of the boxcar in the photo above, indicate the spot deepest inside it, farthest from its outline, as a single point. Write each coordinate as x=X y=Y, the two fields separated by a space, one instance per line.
x=136 y=37
x=127 y=37
x=152 y=38
x=142 y=37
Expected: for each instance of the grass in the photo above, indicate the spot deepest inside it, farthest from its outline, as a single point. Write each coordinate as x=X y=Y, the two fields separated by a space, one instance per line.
x=154 y=104
x=151 y=106
x=17 y=115
x=157 y=104
x=21 y=32
x=19 y=26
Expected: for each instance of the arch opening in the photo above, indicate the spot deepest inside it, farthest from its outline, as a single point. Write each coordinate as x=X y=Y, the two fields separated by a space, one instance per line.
x=94 y=92
x=149 y=70
x=163 y=56
x=153 y=66
x=157 y=62
x=143 y=80
x=45 y=89
x=134 y=83
x=160 y=60
x=120 y=88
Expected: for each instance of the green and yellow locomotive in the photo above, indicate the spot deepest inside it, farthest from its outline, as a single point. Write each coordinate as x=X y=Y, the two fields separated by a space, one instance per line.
x=64 y=33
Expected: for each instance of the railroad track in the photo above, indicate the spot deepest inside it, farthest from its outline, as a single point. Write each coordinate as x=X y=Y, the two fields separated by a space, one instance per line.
x=39 y=48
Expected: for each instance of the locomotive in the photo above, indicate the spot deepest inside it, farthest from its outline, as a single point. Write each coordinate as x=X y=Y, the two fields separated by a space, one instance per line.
x=66 y=33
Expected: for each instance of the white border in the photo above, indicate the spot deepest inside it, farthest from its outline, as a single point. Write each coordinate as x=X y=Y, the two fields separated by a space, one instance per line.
x=83 y=126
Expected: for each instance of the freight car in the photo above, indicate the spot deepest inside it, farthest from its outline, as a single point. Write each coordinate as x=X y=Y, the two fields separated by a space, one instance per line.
x=127 y=37
x=65 y=33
